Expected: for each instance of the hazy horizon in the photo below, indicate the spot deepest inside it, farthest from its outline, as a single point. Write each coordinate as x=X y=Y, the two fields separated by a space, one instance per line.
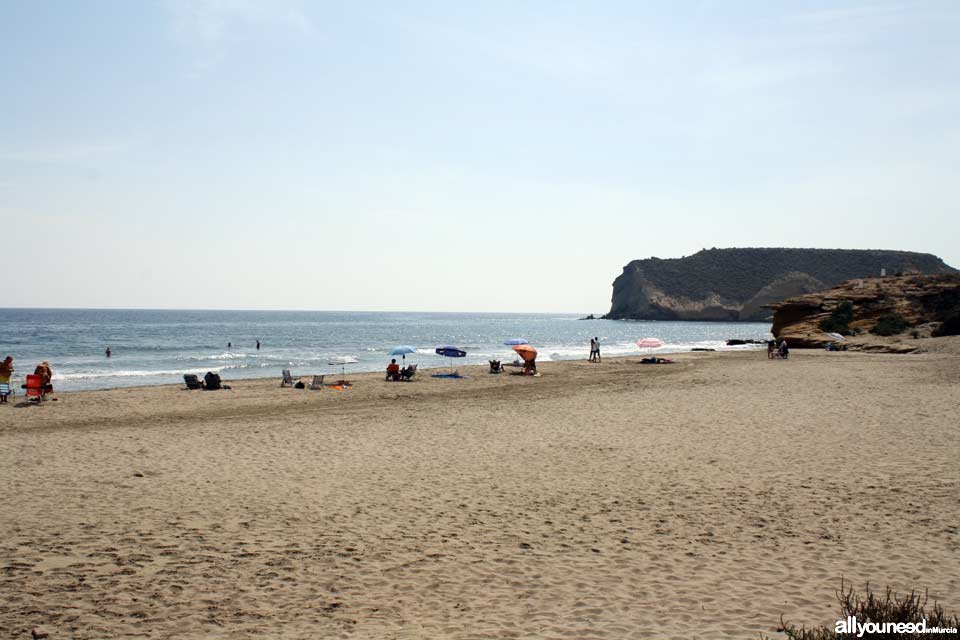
x=510 y=157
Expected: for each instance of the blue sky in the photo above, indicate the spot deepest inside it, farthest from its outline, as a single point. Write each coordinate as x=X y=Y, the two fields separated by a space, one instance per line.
x=496 y=156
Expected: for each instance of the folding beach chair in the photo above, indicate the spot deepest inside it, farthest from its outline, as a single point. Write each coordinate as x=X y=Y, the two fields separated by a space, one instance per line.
x=317 y=383
x=288 y=380
x=408 y=373
x=192 y=381
x=34 y=387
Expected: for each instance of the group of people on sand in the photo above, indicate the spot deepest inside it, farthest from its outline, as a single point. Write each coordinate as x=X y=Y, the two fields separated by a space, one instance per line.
x=594 y=349
x=778 y=351
x=43 y=370
x=395 y=372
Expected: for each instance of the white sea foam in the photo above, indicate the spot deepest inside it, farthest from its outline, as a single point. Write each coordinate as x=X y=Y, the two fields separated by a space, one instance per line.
x=128 y=373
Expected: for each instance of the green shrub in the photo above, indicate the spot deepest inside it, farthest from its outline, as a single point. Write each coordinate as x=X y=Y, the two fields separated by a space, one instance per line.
x=877 y=608
x=890 y=324
x=950 y=326
x=839 y=319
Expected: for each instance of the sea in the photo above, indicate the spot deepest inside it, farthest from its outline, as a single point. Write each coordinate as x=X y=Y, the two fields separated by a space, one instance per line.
x=154 y=347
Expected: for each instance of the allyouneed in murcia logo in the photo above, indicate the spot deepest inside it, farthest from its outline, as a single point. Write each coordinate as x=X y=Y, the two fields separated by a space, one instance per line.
x=851 y=626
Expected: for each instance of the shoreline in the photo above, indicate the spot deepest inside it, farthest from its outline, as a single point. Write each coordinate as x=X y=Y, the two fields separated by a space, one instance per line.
x=200 y=372
x=896 y=345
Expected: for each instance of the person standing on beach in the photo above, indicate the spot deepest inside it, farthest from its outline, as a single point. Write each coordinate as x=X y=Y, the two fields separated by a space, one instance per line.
x=593 y=349
x=596 y=346
x=6 y=370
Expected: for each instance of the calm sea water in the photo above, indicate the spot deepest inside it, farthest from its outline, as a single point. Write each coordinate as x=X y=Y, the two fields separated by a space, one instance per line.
x=158 y=347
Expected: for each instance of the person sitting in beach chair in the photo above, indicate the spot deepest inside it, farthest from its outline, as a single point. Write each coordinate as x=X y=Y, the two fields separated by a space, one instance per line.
x=393 y=370
x=211 y=381
x=407 y=373
x=496 y=366
x=784 y=351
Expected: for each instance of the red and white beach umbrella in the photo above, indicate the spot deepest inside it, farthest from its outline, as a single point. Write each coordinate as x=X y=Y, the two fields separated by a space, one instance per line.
x=650 y=343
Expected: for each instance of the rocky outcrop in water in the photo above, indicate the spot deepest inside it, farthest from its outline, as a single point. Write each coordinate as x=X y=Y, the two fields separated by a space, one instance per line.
x=741 y=284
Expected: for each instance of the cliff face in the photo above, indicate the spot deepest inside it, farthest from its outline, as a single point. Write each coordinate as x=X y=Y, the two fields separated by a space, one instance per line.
x=738 y=284
x=918 y=300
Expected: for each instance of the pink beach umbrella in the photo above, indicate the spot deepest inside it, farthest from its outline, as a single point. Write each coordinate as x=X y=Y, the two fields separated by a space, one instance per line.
x=650 y=343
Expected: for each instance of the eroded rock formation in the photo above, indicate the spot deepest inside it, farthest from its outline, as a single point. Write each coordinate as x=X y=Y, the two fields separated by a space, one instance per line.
x=921 y=301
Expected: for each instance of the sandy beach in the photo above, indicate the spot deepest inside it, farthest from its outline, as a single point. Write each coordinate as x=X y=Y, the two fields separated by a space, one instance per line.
x=701 y=499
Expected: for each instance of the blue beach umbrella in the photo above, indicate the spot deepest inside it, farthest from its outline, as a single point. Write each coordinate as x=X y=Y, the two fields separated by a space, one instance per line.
x=451 y=352
x=402 y=351
x=513 y=342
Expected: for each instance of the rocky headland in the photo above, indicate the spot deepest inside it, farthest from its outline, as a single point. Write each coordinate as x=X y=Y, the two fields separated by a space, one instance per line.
x=742 y=284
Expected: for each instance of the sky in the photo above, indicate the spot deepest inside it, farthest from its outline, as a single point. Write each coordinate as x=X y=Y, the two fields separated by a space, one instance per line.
x=448 y=156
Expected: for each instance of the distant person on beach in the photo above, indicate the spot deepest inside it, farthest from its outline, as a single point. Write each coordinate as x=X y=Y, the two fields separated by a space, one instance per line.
x=258 y=345
x=784 y=350
x=596 y=347
x=229 y=345
x=593 y=349
x=46 y=375
x=771 y=345
x=108 y=352
x=393 y=370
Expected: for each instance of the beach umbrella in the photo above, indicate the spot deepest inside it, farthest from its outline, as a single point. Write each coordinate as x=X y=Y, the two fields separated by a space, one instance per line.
x=342 y=362
x=512 y=342
x=650 y=343
x=451 y=352
x=526 y=352
x=402 y=351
